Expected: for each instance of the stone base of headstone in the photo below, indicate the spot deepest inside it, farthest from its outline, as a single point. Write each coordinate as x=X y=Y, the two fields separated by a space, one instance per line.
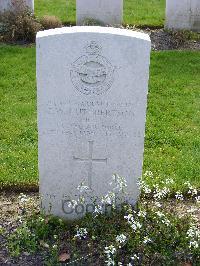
x=183 y=15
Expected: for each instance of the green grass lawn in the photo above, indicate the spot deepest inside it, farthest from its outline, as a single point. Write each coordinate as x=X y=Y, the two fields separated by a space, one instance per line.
x=136 y=12
x=18 y=135
x=172 y=144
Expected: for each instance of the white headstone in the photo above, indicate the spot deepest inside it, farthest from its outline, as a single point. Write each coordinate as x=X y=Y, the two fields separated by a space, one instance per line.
x=183 y=14
x=7 y=4
x=92 y=91
x=108 y=12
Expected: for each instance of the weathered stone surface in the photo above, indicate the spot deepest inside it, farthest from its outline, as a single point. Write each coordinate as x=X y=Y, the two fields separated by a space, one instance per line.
x=92 y=91
x=7 y=4
x=108 y=12
x=183 y=14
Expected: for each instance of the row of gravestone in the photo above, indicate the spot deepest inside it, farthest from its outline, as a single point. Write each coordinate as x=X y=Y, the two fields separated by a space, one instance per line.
x=180 y=14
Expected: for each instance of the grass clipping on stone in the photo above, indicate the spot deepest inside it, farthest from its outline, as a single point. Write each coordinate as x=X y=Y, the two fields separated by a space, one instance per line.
x=153 y=232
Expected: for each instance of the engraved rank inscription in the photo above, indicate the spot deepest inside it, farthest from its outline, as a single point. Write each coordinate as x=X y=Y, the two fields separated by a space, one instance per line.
x=92 y=73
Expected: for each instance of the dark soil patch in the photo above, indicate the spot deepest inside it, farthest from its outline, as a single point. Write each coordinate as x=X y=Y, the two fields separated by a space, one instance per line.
x=164 y=40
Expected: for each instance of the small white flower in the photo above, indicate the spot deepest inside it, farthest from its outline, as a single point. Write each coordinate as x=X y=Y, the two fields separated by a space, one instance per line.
x=160 y=214
x=192 y=210
x=81 y=233
x=179 y=196
x=110 y=250
x=187 y=184
x=149 y=174
x=147 y=240
x=134 y=224
x=135 y=257
x=23 y=198
x=142 y=214
x=121 y=238
x=129 y=217
x=193 y=244
x=41 y=219
x=169 y=181
x=98 y=209
x=161 y=193
x=193 y=232
x=120 y=183
x=110 y=262
x=158 y=204
x=197 y=199
x=192 y=190
x=81 y=199
x=166 y=222
x=144 y=187
x=109 y=198
x=147 y=190
x=72 y=204
x=82 y=187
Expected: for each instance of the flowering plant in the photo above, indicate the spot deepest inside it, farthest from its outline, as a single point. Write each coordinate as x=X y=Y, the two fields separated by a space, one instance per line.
x=161 y=229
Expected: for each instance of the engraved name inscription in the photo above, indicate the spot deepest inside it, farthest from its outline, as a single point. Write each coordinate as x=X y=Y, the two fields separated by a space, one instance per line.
x=89 y=118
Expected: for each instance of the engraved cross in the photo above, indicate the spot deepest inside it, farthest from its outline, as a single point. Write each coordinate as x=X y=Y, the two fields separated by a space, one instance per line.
x=90 y=160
